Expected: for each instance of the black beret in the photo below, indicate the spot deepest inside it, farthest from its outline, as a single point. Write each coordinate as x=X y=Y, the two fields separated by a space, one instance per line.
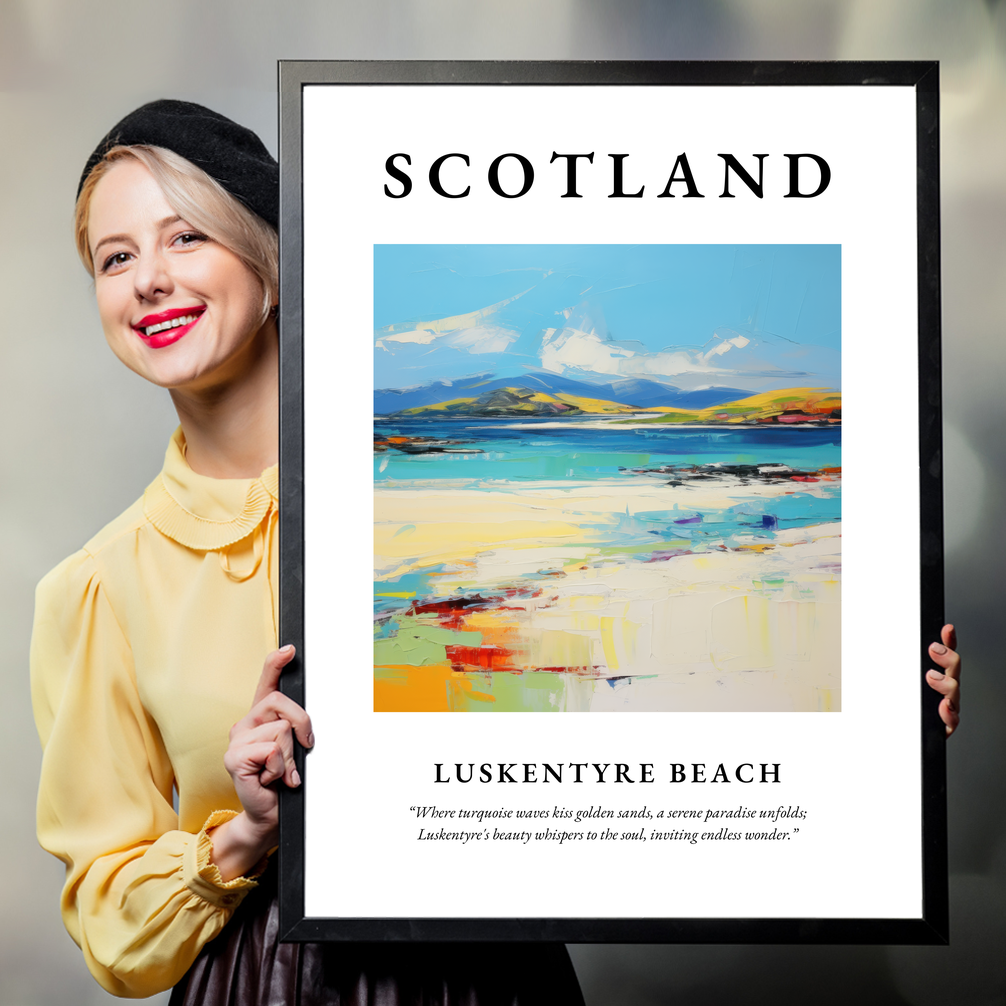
x=231 y=154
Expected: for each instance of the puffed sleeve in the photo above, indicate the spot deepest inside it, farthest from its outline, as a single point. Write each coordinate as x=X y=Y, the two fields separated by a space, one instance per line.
x=141 y=898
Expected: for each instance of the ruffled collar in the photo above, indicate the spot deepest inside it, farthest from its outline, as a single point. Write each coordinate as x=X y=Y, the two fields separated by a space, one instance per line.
x=203 y=513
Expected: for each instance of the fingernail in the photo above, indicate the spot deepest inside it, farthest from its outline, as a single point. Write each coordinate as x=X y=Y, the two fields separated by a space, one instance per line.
x=936 y=675
x=295 y=777
x=310 y=740
x=938 y=648
x=287 y=649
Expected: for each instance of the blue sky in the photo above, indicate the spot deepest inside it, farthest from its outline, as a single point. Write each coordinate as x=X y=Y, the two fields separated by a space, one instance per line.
x=692 y=316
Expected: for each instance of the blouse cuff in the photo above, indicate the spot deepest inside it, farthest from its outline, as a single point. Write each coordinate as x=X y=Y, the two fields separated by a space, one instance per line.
x=202 y=876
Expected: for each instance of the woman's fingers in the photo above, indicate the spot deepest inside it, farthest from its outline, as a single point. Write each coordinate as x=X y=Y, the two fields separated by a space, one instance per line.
x=260 y=761
x=271 y=671
x=261 y=749
x=274 y=766
x=947 y=680
x=947 y=686
x=277 y=706
x=949 y=710
x=948 y=658
x=949 y=636
x=270 y=703
x=278 y=735
x=949 y=716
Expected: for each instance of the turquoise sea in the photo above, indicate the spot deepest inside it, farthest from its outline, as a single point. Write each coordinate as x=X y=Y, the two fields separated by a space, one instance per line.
x=535 y=450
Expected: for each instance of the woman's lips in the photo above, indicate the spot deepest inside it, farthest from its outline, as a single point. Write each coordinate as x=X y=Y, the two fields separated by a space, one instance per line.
x=164 y=328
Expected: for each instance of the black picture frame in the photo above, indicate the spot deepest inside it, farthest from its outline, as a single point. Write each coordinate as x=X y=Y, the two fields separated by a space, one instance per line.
x=932 y=926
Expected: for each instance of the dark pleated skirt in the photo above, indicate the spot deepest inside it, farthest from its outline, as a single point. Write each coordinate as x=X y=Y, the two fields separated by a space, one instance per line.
x=246 y=965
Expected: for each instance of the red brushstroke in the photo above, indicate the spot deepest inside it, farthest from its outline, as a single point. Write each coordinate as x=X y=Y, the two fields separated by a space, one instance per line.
x=490 y=658
x=451 y=612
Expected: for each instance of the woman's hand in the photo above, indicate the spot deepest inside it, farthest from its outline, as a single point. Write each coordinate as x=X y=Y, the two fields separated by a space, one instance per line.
x=260 y=753
x=948 y=681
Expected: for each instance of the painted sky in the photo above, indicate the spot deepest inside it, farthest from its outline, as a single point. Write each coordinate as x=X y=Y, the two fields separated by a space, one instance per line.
x=755 y=317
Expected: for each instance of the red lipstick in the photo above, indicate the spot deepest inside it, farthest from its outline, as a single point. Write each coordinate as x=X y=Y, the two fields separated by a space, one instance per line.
x=166 y=327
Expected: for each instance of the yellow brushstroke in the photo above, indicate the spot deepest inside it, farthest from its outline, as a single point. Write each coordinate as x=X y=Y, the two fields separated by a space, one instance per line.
x=630 y=639
x=558 y=648
x=608 y=642
x=740 y=636
x=489 y=621
x=586 y=602
x=460 y=690
x=446 y=542
x=594 y=404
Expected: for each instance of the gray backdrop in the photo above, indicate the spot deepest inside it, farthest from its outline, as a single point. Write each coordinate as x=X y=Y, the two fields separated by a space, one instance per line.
x=82 y=436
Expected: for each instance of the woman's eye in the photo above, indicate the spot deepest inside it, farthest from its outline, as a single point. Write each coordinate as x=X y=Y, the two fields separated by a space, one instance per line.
x=190 y=238
x=114 y=261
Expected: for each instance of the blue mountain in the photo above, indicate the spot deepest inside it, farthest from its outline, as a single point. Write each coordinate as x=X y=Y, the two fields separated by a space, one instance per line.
x=637 y=392
x=648 y=394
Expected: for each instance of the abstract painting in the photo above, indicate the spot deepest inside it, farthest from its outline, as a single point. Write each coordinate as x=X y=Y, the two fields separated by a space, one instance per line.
x=607 y=478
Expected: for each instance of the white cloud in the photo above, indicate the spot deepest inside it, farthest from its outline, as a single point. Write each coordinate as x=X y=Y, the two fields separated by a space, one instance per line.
x=470 y=332
x=728 y=358
x=566 y=348
x=725 y=345
x=484 y=339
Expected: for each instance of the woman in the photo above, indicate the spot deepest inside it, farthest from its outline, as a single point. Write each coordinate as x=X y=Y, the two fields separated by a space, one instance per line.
x=148 y=643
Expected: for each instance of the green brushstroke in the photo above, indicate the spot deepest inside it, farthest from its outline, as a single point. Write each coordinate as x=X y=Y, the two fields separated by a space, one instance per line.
x=419 y=643
x=529 y=691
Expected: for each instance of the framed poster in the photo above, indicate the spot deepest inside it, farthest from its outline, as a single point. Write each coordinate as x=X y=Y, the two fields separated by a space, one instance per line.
x=620 y=384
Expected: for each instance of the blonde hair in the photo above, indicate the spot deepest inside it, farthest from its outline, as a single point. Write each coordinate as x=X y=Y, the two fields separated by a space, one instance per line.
x=199 y=200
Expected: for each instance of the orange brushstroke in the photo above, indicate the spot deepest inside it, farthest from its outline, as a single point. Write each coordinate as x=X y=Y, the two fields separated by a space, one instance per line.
x=434 y=688
x=404 y=688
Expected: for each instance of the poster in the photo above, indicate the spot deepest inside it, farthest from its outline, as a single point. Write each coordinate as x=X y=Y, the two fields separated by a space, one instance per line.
x=606 y=377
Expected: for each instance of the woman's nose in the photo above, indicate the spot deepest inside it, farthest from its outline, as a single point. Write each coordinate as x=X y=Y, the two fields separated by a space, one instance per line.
x=152 y=277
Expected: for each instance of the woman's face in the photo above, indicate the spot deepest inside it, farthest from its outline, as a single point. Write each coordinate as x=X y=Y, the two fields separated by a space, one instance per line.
x=177 y=308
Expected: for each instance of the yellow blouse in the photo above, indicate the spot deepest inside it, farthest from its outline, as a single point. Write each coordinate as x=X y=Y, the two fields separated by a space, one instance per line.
x=147 y=647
